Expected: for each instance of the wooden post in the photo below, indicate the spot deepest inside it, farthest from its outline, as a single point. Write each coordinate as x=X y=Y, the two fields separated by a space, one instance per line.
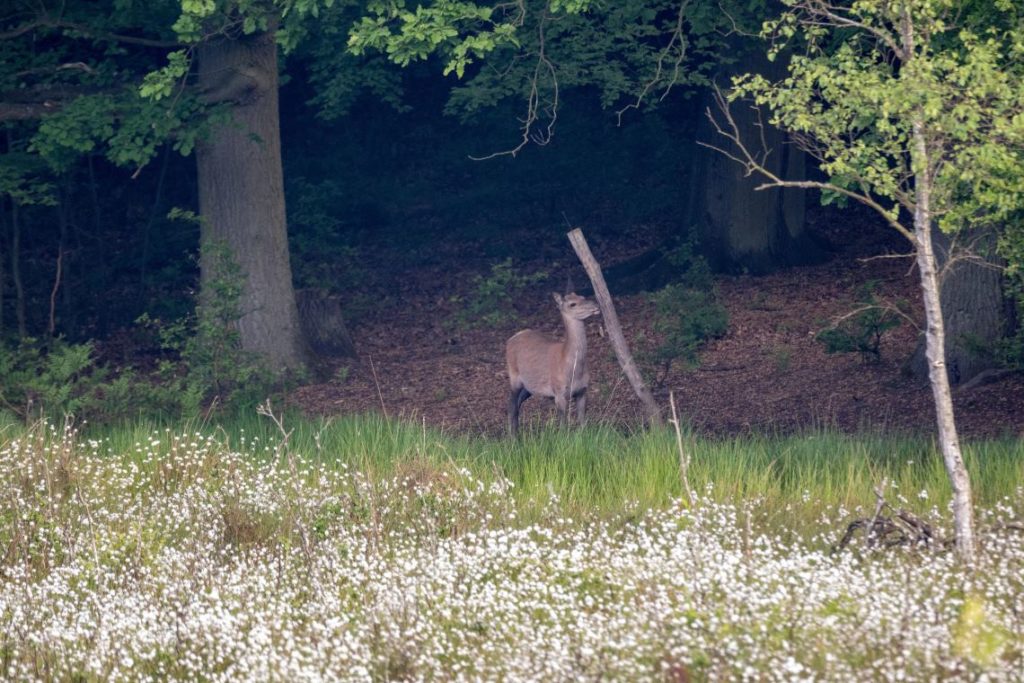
x=611 y=323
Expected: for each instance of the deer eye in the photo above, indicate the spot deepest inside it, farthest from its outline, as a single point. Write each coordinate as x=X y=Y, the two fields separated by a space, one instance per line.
x=572 y=305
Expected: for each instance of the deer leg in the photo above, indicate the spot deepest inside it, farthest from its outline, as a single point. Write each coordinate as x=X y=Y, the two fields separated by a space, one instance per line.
x=581 y=406
x=515 y=401
x=562 y=406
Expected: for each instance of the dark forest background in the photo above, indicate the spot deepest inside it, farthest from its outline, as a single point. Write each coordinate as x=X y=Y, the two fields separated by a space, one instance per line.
x=100 y=248
x=378 y=177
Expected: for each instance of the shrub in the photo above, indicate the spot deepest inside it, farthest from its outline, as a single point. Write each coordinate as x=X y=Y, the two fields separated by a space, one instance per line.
x=211 y=366
x=861 y=331
x=490 y=303
x=54 y=377
x=687 y=314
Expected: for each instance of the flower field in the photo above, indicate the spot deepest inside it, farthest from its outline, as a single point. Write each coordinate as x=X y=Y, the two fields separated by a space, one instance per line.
x=186 y=558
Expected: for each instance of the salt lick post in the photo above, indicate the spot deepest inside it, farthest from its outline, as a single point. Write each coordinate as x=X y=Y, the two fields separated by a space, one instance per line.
x=611 y=323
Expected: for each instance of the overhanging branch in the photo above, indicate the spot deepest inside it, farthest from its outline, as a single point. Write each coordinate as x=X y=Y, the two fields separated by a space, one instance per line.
x=34 y=103
x=88 y=32
x=754 y=164
x=542 y=66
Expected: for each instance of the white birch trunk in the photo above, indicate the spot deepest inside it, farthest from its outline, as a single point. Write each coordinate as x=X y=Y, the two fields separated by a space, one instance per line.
x=935 y=352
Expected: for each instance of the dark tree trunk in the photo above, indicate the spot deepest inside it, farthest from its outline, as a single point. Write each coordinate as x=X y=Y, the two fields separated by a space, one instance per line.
x=147 y=230
x=973 y=305
x=241 y=194
x=323 y=323
x=743 y=229
x=3 y=277
x=19 y=287
x=69 y=319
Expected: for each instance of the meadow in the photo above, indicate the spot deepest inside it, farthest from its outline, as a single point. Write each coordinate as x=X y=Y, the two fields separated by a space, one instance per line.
x=287 y=548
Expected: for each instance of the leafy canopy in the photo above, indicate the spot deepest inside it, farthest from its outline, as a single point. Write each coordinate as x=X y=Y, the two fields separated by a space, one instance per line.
x=868 y=71
x=633 y=51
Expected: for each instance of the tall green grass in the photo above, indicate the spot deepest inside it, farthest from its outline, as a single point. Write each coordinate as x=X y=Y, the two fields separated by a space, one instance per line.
x=603 y=472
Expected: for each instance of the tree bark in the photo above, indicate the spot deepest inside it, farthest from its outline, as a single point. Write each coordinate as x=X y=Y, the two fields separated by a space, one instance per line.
x=241 y=194
x=974 y=308
x=3 y=275
x=323 y=324
x=611 y=323
x=935 y=339
x=742 y=229
x=19 y=287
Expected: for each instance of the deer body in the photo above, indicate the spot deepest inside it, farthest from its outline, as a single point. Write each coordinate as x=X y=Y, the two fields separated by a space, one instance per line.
x=542 y=366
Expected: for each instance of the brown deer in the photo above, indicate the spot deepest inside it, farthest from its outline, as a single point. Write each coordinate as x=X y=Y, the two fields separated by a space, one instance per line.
x=538 y=364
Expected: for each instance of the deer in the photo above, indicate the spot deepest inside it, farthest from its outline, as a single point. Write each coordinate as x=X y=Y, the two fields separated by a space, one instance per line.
x=542 y=366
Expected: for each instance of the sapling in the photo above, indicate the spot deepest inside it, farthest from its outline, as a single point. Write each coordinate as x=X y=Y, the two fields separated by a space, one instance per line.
x=915 y=109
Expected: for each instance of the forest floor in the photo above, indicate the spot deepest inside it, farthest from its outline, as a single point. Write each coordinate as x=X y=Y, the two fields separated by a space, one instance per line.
x=768 y=374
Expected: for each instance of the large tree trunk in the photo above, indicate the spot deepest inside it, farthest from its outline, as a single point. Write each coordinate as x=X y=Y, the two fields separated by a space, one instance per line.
x=241 y=194
x=973 y=306
x=742 y=229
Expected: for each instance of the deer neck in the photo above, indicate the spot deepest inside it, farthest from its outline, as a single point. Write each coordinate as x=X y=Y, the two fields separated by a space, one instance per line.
x=575 y=351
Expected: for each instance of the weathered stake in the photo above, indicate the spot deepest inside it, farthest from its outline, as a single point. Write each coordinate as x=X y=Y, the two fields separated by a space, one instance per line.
x=611 y=323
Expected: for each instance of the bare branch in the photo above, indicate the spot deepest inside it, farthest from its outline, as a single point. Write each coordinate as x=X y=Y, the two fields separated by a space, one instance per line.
x=88 y=32
x=884 y=305
x=544 y=136
x=959 y=253
x=753 y=164
x=735 y=26
x=829 y=15
x=18 y=111
x=19 y=31
x=677 y=37
x=34 y=103
x=879 y=257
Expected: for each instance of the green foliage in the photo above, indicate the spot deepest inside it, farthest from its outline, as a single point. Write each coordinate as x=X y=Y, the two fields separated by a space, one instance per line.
x=461 y=31
x=857 y=92
x=320 y=229
x=1011 y=246
x=83 y=66
x=601 y=471
x=338 y=77
x=975 y=635
x=212 y=368
x=861 y=331
x=125 y=127
x=491 y=301
x=687 y=314
x=585 y=523
x=633 y=51
x=341 y=375
x=54 y=377
x=289 y=20
x=164 y=82
x=26 y=180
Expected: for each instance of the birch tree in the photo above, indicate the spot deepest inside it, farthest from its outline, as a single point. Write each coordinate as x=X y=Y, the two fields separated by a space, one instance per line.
x=914 y=108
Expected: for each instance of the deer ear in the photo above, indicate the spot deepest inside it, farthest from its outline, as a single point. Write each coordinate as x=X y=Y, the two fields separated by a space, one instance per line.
x=557 y=297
